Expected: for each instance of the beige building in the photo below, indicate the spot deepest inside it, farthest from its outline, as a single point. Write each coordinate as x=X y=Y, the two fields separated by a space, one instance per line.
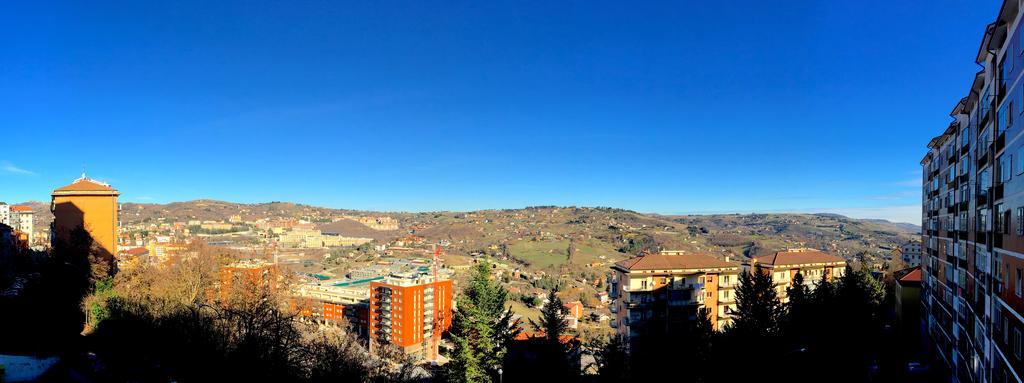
x=651 y=293
x=313 y=238
x=813 y=265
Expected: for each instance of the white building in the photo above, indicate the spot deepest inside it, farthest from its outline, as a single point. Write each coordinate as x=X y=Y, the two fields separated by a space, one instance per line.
x=20 y=218
x=5 y=214
x=910 y=253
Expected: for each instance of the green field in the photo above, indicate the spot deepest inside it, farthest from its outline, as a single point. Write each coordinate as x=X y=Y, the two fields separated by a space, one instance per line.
x=552 y=253
x=528 y=313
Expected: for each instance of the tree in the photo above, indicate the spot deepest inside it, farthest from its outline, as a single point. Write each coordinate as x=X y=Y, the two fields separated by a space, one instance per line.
x=758 y=309
x=463 y=366
x=553 y=350
x=611 y=360
x=798 y=309
x=481 y=330
x=756 y=324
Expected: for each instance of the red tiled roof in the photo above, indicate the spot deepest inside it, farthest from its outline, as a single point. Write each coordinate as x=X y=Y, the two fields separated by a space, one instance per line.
x=137 y=251
x=798 y=257
x=526 y=335
x=662 y=261
x=85 y=184
x=20 y=208
x=913 y=276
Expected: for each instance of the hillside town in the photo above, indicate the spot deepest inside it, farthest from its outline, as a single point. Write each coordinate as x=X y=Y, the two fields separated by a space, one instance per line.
x=348 y=283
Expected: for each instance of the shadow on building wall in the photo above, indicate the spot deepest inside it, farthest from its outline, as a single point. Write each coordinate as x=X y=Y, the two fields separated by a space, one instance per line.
x=41 y=293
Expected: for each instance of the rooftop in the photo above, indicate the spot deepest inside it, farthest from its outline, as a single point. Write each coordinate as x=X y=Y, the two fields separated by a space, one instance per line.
x=667 y=260
x=85 y=184
x=910 y=275
x=799 y=257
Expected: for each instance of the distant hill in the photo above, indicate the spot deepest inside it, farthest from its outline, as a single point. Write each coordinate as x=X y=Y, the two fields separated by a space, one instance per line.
x=541 y=237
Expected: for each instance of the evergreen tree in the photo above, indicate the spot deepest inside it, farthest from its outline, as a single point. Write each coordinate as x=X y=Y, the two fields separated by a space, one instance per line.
x=553 y=352
x=798 y=310
x=463 y=366
x=756 y=325
x=758 y=309
x=481 y=330
x=611 y=360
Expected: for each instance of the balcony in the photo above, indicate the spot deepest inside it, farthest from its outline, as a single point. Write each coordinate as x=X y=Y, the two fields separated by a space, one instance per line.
x=638 y=305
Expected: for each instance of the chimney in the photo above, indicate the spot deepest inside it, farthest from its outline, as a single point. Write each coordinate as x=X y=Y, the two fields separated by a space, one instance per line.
x=727 y=258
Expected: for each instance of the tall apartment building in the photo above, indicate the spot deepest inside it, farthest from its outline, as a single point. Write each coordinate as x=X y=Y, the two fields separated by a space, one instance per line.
x=655 y=293
x=811 y=264
x=407 y=310
x=973 y=217
x=21 y=219
x=88 y=204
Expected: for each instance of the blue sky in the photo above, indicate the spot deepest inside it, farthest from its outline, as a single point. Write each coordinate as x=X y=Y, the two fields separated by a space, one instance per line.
x=667 y=107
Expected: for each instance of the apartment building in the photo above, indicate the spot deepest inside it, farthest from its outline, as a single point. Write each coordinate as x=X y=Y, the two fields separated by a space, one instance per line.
x=909 y=253
x=407 y=310
x=654 y=293
x=337 y=305
x=21 y=219
x=244 y=278
x=5 y=214
x=811 y=264
x=973 y=217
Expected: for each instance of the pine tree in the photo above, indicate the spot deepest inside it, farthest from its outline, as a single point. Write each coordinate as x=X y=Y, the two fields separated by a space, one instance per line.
x=611 y=360
x=463 y=366
x=483 y=329
x=554 y=353
x=798 y=312
x=758 y=309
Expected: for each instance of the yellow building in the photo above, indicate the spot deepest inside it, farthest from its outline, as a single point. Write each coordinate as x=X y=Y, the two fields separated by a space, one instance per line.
x=89 y=204
x=653 y=293
x=811 y=264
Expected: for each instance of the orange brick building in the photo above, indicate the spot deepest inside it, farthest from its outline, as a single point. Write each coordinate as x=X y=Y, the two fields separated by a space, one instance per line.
x=408 y=310
x=251 y=273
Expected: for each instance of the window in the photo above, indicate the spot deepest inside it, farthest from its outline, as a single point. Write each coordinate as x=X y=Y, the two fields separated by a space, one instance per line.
x=1018 y=161
x=1016 y=343
x=1002 y=219
x=1009 y=115
x=1020 y=221
x=1020 y=278
x=1002 y=169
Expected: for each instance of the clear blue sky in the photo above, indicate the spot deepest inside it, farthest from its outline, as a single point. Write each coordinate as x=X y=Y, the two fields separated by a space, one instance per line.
x=657 y=107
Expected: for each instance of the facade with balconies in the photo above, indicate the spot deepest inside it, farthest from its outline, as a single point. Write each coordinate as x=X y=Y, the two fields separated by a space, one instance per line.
x=812 y=265
x=656 y=294
x=410 y=311
x=973 y=217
